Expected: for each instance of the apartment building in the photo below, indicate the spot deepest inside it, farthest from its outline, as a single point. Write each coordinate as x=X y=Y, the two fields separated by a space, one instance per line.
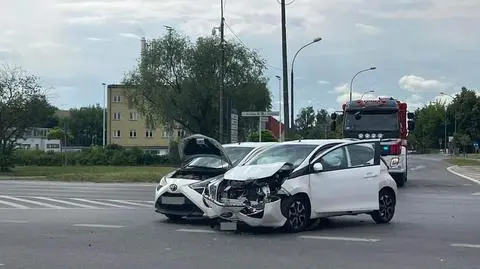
x=127 y=128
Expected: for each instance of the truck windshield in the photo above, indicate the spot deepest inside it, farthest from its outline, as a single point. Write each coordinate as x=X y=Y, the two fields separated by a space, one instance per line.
x=372 y=121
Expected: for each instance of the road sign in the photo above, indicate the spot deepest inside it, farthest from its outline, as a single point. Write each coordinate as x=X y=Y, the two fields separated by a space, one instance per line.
x=260 y=113
x=234 y=128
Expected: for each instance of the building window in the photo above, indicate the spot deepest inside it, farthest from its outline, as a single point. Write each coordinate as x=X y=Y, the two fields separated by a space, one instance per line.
x=148 y=134
x=133 y=115
x=117 y=99
x=165 y=134
x=116 y=116
x=133 y=133
x=116 y=133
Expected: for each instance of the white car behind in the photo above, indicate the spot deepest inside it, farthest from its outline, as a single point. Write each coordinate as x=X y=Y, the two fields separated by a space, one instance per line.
x=179 y=193
x=291 y=183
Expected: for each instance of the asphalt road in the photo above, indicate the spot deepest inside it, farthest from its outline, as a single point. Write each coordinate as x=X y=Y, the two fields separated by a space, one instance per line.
x=66 y=225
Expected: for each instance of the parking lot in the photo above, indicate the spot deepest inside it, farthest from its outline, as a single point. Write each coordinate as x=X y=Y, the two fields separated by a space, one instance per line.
x=74 y=225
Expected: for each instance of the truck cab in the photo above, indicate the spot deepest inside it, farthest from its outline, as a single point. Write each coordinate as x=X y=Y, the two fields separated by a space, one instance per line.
x=385 y=119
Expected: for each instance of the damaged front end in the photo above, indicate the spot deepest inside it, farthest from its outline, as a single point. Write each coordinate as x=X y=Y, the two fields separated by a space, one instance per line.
x=251 y=194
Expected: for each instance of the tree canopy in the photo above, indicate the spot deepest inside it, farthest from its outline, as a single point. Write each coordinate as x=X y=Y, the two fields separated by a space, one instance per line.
x=311 y=124
x=84 y=126
x=23 y=105
x=177 y=82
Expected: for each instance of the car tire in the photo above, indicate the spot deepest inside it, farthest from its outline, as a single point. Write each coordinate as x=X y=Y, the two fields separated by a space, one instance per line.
x=297 y=212
x=173 y=217
x=387 y=203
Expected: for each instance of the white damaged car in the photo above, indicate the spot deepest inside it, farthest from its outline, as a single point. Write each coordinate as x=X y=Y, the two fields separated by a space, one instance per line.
x=291 y=183
x=179 y=193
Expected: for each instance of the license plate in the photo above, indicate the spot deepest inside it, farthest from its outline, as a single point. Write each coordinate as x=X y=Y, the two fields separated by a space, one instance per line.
x=228 y=226
x=173 y=200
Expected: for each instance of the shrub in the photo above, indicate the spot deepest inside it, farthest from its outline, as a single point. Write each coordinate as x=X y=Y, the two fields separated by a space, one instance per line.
x=267 y=136
x=92 y=156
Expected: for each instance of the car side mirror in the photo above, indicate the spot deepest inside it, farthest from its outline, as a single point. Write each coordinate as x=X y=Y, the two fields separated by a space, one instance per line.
x=411 y=125
x=317 y=167
x=358 y=115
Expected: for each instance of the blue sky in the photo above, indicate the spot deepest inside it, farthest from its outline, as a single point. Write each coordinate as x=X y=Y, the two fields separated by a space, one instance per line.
x=420 y=47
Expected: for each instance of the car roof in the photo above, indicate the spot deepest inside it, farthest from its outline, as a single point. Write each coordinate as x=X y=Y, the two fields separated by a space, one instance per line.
x=249 y=144
x=316 y=142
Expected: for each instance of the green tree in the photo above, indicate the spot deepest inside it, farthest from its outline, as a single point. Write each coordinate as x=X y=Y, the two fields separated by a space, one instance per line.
x=462 y=140
x=466 y=107
x=178 y=82
x=23 y=105
x=59 y=133
x=311 y=124
x=267 y=136
x=84 y=125
x=430 y=127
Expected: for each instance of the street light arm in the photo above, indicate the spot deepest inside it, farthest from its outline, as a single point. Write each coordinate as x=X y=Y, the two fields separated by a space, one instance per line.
x=298 y=51
x=351 y=81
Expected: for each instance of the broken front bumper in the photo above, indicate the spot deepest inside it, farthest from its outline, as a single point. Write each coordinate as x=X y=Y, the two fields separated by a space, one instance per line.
x=270 y=216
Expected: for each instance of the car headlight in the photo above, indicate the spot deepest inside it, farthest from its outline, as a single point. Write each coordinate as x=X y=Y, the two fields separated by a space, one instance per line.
x=162 y=183
x=199 y=185
x=367 y=136
x=380 y=135
x=395 y=161
x=360 y=136
x=374 y=135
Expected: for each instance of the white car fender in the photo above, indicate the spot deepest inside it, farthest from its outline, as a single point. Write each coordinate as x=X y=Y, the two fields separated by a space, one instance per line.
x=296 y=185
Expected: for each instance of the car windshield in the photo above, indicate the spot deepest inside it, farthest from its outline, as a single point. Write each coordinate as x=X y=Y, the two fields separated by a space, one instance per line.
x=371 y=121
x=235 y=154
x=290 y=153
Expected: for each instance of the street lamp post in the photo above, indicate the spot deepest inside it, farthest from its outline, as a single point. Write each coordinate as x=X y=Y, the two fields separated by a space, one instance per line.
x=291 y=79
x=279 y=108
x=370 y=91
x=455 y=124
x=361 y=71
x=104 y=123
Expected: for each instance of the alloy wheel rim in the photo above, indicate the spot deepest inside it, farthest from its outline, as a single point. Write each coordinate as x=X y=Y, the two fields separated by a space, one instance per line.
x=297 y=215
x=387 y=208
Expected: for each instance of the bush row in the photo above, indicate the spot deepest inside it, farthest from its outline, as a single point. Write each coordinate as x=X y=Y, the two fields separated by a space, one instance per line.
x=91 y=156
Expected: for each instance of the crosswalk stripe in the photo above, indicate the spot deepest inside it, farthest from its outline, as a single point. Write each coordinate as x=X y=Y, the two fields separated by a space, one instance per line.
x=12 y=204
x=128 y=203
x=66 y=202
x=100 y=203
x=31 y=202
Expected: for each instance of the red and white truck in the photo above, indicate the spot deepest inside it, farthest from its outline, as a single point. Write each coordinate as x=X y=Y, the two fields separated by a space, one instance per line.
x=386 y=119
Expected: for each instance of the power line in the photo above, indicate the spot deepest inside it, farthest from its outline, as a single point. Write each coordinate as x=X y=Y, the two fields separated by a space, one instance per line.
x=291 y=2
x=243 y=43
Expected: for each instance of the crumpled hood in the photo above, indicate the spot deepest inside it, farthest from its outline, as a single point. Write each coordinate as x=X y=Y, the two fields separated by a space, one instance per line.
x=248 y=172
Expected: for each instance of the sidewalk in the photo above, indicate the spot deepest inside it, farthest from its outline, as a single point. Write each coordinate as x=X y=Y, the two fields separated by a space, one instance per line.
x=471 y=173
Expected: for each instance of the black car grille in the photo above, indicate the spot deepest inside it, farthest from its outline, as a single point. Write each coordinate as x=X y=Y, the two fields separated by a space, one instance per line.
x=188 y=209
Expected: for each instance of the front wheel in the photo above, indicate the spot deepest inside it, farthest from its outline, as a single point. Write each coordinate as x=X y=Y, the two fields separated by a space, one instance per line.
x=298 y=215
x=386 y=210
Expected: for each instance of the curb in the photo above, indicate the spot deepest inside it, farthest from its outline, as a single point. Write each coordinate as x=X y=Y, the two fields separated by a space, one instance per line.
x=20 y=177
x=450 y=169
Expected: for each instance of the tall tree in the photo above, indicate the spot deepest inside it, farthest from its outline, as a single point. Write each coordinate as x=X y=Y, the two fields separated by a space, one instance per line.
x=177 y=82
x=84 y=125
x=311 y=124
x=23 y=105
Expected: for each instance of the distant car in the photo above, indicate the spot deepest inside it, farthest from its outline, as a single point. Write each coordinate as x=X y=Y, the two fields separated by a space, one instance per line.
x=178 y=194
x=291 y=183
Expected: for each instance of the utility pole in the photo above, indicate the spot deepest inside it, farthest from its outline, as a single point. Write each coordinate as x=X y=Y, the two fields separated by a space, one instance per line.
x=104 y=112
x=222 y=37
x=285 y=69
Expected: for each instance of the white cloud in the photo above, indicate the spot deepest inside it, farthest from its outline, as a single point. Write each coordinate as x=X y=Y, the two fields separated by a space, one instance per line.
x=344 y=94
x=88 y=20
x=368 y=29
x=130 y=35
x=96 y=39
x=45 y=45
x=323 y=82
x=415 y=83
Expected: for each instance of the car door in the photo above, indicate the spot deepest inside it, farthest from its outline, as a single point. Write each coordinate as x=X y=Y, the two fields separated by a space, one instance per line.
x=348 y=179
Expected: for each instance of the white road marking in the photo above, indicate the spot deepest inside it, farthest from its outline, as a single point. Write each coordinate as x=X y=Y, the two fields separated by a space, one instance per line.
x=449 y=169
x=13 y=221
x=476 y=194
x=32 y=202
x=98 y=226
x=339 y=238
x=66 y=202
x=417 y=168
x=12 y=204
x=128 y=203
x=1 y=264
x=196 y=231
x=100 y=203
x=465 y=245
